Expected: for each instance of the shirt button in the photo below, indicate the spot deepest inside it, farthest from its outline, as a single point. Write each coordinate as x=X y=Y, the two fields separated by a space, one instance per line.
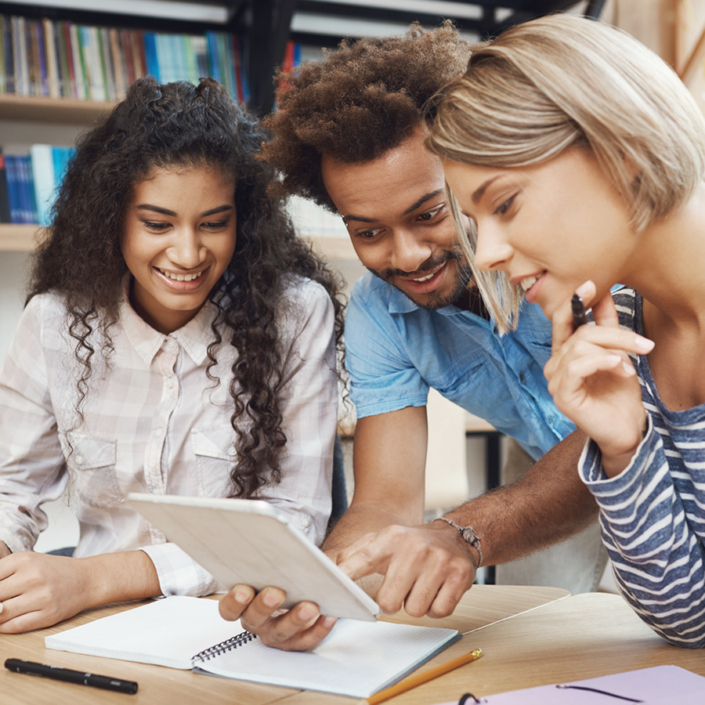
x=171 y=345
x=550 y=420
x=159 y=430
x=79 y=460
x=306 y=522
x=232 y=450
x=170 y=384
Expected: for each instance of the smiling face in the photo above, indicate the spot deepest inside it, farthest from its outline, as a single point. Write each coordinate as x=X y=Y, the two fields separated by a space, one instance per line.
x=179 y=238
x=395 y=211
x=549 y=227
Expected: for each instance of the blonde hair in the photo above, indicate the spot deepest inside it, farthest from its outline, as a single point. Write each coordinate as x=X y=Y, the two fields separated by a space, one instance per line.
x=564 y=81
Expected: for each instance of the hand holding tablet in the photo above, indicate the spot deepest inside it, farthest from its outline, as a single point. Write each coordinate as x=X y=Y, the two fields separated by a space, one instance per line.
x=249 y=542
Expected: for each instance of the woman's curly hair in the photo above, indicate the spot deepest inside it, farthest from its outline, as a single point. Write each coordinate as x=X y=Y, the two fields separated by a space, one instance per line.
x=359 y=102
x=179 y=124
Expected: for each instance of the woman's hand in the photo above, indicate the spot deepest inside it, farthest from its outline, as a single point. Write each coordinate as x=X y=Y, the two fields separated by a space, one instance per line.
x=593 y=381
x=299 y=629
x=38 y=590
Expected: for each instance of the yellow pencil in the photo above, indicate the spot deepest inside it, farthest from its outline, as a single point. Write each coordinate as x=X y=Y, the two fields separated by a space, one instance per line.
x=413 y=681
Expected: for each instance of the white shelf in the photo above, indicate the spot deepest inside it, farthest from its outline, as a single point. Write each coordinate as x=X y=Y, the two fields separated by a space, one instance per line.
x=57 y=110
x=23 y=238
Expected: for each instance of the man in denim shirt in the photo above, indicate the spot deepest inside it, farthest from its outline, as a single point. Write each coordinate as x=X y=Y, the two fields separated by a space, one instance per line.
x=349 y=134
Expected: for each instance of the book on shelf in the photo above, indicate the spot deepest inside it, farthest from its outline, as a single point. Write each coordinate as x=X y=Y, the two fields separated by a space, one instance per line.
x=62 y=59
x=5 y=213
x=32 y=183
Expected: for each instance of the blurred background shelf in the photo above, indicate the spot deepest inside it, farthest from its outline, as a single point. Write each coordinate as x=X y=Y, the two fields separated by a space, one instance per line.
x=18 y=238
x=24 y=238
x=66 y=111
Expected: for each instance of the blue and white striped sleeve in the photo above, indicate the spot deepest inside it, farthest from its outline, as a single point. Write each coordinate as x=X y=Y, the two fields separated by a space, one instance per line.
x=656 y=555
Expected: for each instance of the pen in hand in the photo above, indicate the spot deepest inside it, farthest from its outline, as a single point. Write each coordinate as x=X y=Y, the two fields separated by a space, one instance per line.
x=579 y=317
x=66 y=674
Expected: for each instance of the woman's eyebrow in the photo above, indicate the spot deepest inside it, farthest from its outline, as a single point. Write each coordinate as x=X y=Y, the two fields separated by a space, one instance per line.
x=479 y=192
x=156 y=209
x=166 y=211
x=219 y=209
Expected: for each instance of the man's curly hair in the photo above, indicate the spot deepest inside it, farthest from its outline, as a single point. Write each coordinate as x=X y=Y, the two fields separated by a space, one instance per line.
x=162 y=126
x=358 y=103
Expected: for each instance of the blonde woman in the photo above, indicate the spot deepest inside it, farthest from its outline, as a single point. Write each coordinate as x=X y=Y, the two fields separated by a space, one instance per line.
x=579 y=158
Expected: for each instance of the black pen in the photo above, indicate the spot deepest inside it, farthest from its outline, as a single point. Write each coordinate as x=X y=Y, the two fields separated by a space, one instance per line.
x=66 y=674
x=579 y=317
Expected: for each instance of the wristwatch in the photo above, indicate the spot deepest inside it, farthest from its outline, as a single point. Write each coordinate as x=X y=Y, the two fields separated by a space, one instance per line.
x=468 y=534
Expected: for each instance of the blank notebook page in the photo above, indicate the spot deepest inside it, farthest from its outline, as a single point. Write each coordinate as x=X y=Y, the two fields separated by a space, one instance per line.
x=166 y=632
x=356 y=659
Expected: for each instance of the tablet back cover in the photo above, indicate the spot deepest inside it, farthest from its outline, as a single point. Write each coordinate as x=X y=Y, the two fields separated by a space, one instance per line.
x=249 y=542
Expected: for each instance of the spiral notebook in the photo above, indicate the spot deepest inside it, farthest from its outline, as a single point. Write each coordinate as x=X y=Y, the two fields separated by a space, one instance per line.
x=357 y=658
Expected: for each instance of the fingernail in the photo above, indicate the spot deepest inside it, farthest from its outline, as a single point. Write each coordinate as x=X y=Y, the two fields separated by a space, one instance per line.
x=628 y=368
x=307 y=613
x=328 y=622
x=644 y=344
x=242 y=596
x=584 y=288
x=271 y=600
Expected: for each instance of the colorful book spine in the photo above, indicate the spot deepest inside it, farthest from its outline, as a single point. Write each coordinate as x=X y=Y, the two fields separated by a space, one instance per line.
x=150 y=51
x=42 y=61
x=43 y=176
x=3 y=68
x=13 y=193
x=27 y=201
x=64 y=56
x=52 y=65
x=213 y=63
x=5 y=211
x=118 y=63
x=9 y=55
x=106 y=65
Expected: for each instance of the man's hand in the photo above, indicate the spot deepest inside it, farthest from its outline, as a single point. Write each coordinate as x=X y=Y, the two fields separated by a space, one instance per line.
x=427 y=569
x=298 y=629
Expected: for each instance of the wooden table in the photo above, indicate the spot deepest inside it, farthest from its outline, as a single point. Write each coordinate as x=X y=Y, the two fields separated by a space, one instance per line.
x=585 y=636
x=481 y=606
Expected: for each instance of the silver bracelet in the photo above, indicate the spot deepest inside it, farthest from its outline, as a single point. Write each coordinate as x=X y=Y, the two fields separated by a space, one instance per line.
x=468 y=534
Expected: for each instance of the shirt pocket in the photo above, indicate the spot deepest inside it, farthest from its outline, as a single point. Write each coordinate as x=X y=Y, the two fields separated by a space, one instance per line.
x=216 y=457
x=91 y=462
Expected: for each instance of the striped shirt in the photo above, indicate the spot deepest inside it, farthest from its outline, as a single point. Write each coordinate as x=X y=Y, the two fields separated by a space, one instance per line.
x=653 y=513
x=153 y=422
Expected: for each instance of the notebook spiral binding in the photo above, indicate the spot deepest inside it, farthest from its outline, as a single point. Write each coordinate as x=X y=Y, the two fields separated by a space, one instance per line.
x=228 y=645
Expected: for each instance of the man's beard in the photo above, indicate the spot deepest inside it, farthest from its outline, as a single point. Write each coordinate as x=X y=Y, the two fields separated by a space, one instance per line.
x=433 y=301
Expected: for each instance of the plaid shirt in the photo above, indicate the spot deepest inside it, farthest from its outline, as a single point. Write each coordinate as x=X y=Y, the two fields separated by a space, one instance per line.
x=153 y=422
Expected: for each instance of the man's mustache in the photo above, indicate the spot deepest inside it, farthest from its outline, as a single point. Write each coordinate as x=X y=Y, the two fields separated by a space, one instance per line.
x=430 y=264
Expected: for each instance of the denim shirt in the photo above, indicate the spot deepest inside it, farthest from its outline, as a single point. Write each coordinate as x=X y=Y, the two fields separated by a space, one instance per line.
x=396 y=351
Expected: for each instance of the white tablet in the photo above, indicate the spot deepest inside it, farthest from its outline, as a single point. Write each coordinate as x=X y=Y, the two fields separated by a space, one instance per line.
x=250 y=542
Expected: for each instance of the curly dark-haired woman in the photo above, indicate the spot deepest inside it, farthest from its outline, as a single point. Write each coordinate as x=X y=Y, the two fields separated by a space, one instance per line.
x=178 y=339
